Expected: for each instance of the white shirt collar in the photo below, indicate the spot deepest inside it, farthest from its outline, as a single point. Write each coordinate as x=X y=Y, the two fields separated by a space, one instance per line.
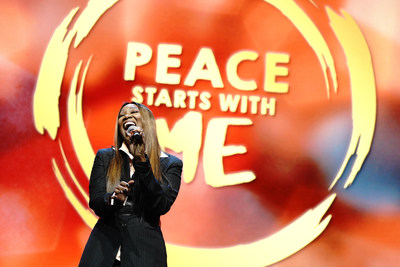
x=126 y=150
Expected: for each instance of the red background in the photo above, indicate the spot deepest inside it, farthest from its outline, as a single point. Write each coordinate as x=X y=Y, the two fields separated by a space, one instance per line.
x=294 y=154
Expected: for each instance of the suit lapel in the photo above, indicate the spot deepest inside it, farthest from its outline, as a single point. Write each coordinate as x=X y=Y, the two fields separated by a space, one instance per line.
x=125 y=168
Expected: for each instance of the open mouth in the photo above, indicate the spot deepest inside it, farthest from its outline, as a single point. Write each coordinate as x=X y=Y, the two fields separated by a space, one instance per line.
x=128 y=124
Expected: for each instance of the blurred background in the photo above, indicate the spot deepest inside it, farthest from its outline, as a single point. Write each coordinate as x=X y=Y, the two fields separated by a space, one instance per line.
x=294 y=154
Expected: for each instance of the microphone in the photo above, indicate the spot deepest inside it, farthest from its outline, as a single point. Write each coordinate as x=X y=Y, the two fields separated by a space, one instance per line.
x=137 y=137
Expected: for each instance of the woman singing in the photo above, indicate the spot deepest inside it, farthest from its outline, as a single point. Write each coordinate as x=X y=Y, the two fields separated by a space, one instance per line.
x=130 y=186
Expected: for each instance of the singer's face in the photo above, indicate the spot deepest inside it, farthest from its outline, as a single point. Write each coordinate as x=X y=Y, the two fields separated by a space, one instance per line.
x=128 y=116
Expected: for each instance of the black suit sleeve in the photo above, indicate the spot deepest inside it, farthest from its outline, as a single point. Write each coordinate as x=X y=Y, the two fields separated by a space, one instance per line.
x=159 y=197
x=98 y=196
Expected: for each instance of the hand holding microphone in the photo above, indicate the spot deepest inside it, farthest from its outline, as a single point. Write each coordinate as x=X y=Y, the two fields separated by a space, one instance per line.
x=135 y=134
x=137 y=145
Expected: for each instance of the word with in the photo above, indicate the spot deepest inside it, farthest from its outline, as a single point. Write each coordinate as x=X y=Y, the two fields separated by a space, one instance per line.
x=262 y=105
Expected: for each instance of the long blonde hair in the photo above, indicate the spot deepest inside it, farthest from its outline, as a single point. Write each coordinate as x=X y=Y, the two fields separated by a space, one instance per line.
x=153 y=148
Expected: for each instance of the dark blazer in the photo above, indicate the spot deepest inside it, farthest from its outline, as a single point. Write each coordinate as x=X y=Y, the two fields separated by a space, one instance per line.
x=134 y=227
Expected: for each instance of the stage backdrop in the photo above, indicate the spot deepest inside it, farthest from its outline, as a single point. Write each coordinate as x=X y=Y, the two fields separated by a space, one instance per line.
x=285 y=114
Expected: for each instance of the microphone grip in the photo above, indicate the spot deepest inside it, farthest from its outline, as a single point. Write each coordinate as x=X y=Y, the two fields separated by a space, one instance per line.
x=138 y=137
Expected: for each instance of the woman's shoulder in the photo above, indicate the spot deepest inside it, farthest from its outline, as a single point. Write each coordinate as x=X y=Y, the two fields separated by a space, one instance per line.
x=106 y=152
x=170 y=159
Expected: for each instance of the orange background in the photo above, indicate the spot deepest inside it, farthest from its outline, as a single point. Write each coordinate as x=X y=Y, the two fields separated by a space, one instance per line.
x=294 y=154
